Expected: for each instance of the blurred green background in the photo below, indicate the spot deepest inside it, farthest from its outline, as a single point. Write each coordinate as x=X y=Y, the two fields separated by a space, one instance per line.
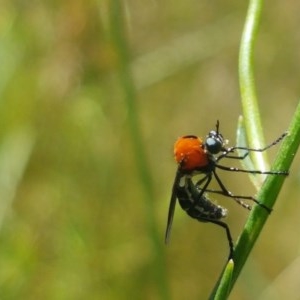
x=74 y=218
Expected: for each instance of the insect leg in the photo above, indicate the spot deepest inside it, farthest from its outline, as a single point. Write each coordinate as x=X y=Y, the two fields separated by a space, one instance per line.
x=233 y=169
x=261 y=149
x=206 y=180
x=227 y=193
x=232 y=149
x=228 y=234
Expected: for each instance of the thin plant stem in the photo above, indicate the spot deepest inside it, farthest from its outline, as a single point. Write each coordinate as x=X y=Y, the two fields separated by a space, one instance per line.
x=266 y=195
x=272 y=185
x=130 y=98
x=249 y=101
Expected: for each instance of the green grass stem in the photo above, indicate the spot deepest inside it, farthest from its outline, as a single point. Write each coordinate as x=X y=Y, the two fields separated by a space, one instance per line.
x=249 y=100
x=130 y=98
x=267 y=195
x=253 y=128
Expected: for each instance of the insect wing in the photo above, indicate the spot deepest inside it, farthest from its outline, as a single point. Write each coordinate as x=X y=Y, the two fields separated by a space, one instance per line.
x=172 y=207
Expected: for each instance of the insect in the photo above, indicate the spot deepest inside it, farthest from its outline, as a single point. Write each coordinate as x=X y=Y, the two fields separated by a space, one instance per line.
x=197 y=157
x=200 y=207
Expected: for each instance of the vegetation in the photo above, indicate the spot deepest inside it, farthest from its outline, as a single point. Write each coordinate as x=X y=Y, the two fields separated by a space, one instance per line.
x=93 y=95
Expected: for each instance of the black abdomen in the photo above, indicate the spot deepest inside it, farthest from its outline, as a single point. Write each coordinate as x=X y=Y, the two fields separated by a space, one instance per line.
x=196 y=205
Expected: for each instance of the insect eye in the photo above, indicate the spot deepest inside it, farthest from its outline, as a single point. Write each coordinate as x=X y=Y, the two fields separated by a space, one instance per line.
x=214 y=142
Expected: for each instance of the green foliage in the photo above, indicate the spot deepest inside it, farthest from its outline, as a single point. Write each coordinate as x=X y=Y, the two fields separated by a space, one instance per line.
x=93 y=96
x=270 y=190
